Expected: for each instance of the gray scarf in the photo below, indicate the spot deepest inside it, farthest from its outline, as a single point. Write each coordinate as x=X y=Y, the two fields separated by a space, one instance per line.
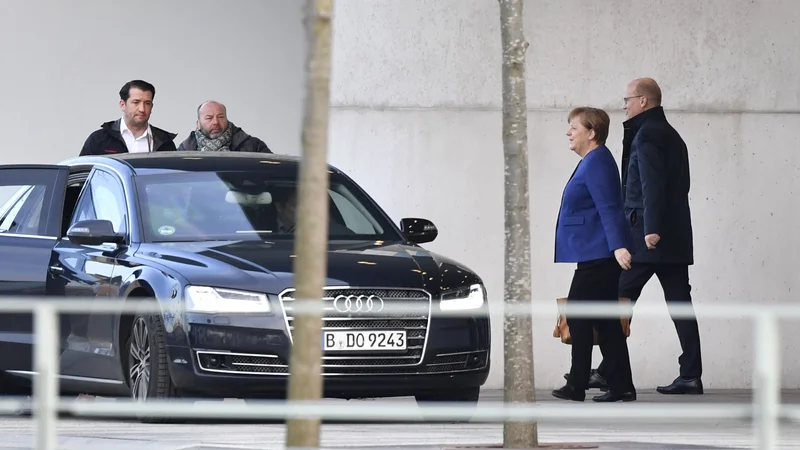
x=221 y=143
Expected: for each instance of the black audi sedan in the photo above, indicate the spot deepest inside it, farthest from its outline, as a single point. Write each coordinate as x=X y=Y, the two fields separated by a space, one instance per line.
x=208 y=238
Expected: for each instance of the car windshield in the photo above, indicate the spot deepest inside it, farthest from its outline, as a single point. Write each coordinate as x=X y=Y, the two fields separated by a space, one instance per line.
x=206 y=206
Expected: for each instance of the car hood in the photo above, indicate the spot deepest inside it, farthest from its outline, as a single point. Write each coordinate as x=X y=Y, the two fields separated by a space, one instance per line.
x=268 y=266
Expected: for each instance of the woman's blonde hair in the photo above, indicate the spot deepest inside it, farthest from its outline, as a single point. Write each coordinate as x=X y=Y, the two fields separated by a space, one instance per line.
x=593 y=119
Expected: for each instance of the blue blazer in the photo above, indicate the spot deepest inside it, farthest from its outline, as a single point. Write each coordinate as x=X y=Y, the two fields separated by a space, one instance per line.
x=591 y=222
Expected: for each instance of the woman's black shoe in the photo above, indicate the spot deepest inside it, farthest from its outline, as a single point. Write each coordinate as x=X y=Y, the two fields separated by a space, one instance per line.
x=609 y=397
x=568 y=392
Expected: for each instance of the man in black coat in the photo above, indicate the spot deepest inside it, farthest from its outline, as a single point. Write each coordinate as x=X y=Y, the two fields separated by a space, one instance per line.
x=655 y=188
x=132 y=133
x=215 y=133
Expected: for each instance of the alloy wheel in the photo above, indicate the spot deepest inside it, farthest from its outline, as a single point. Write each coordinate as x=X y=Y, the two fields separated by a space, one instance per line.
x=139 y=360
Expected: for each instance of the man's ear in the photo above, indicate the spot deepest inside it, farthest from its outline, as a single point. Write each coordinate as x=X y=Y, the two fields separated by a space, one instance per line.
x=121 y=105
x=197 y=124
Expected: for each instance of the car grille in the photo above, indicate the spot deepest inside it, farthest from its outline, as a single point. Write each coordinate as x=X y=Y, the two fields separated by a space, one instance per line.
x=414 y=317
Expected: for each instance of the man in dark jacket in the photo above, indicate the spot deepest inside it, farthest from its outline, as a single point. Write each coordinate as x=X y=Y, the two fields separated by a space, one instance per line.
x=132 y=133
x=215 y=133
x=655 y=188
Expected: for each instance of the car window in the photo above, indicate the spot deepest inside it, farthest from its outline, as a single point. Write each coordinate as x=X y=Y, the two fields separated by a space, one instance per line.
x=103 y=199
x=12 y=208
x=22 y=212
x=204 y=206
x=353 y=218
x=9 y=196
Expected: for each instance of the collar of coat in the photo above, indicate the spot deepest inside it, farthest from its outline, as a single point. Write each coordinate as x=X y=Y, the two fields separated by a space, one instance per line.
x=159 y=135
x=653 y=114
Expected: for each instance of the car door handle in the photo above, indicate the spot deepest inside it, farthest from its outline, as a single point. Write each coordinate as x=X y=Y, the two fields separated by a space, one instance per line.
x=56 y=269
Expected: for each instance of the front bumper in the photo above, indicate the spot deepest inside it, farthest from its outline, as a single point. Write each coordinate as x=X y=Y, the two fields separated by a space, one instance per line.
x=386 y=382
x=253 y=363
x=247 y=356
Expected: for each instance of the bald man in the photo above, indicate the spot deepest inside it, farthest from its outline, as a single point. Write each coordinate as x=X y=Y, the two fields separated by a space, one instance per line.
x=655 y=188
x=215 y=133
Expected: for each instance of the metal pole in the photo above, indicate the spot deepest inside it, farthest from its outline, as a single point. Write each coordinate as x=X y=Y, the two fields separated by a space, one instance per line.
x=45 y=384
x=767 y=395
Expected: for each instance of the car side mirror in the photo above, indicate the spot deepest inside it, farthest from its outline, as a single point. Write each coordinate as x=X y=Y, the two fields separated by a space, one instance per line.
x=94 y=232
x=418 y=231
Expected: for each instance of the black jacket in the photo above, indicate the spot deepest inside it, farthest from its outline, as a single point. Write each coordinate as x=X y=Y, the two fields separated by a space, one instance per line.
x=655 y=187
x=108 y=140
x=240 y=142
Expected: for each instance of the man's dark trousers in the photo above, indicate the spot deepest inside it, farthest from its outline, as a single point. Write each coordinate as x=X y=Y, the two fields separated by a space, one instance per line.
x=674 y=279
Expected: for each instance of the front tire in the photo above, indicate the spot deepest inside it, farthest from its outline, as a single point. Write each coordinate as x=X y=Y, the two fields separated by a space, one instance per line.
x=467 y=399
x=148 y=374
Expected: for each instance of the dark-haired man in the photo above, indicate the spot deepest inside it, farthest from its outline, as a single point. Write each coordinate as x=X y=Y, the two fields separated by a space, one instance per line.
x=132 y=133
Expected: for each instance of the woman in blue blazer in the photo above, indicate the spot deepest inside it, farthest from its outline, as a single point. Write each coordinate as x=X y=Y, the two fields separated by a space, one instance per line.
x=592 y=232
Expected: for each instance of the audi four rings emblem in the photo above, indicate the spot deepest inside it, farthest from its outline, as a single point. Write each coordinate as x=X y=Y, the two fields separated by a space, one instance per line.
x=358 y=303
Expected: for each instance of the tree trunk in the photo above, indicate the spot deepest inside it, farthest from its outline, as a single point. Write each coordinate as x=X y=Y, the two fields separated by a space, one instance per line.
x=519 y=384
x=311 y=240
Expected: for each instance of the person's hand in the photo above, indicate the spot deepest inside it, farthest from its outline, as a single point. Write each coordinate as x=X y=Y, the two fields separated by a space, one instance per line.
x=625 y=319
x=626 y=326
x=651 y=240
x=623 y=258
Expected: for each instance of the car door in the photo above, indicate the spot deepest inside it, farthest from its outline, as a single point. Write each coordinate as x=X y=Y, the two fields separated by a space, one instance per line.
x=87 y=271
x=30 y=223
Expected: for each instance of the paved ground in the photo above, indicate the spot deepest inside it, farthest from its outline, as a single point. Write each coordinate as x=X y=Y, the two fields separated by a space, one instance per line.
x=17 y=432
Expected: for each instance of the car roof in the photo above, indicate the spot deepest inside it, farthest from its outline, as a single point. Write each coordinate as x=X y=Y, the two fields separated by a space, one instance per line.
x=193 y=160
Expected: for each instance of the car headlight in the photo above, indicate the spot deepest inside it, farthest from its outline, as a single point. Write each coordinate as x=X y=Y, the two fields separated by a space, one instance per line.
x=204 y=299
x=472 y=297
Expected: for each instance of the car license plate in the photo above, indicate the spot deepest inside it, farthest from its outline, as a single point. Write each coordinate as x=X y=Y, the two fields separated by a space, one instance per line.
x=363 y=340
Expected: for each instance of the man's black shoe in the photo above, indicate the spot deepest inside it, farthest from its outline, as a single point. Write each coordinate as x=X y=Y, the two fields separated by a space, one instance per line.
x=610 y=397
x=596 y=381
x=568 y=392
x=689 y=386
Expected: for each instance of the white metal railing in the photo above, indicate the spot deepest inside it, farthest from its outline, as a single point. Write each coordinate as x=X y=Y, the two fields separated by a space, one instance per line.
x=765 y=410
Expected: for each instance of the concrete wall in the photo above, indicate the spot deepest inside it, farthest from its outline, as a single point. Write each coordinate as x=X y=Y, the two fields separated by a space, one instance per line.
x=63 y=64
x=417 y=121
